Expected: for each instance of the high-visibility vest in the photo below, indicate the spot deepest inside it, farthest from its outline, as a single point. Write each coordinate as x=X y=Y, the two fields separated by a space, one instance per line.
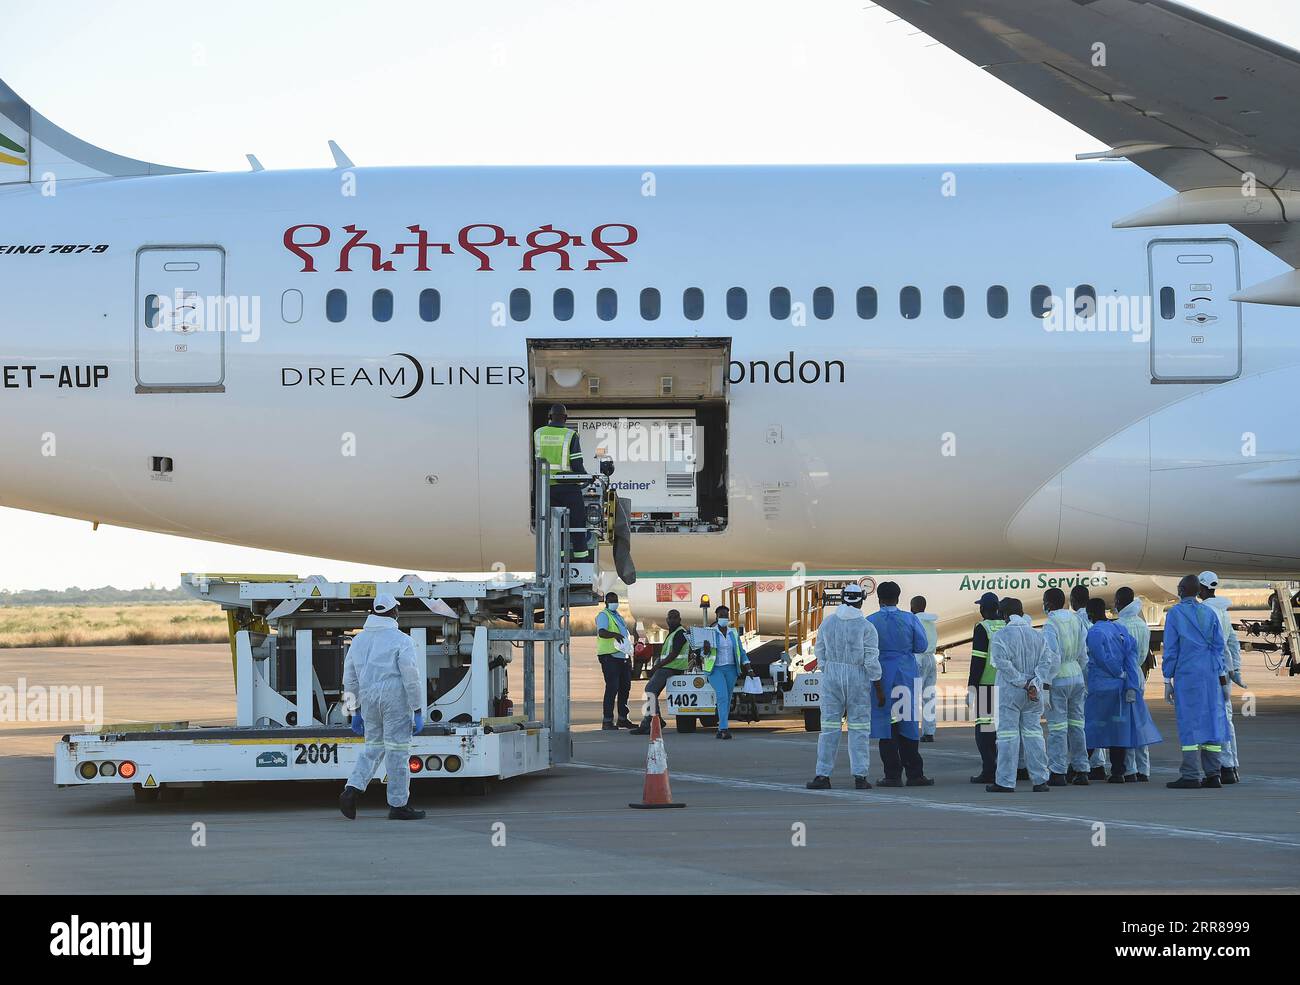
x=681 y=662
x=604 y=645
x=991 y=626
x=551 y=443
x=711 y=659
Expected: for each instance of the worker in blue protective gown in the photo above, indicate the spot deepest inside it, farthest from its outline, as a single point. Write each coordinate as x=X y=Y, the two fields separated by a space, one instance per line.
x=1196 y=684
x=1115 y=712
x=897 y=723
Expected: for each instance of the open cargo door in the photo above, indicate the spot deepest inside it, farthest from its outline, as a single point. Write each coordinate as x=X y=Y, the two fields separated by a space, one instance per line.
x=657 y=408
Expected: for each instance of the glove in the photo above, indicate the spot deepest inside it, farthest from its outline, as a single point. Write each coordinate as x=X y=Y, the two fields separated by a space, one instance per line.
x=880 y=694
x=358 y=725
x=417 y=722
x=1235 y=677
x=1130 y=695
x=1169 y=691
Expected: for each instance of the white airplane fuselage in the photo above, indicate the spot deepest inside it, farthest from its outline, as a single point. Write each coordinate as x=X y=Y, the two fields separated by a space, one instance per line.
x=970 y=442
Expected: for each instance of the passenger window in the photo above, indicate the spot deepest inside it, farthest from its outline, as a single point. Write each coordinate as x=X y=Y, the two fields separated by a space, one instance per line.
x=1040 y=301
x=778 y=303
x=823 y=303
x=151 y=308
x=606 y=304
x=1166 y=303
x=954 y=302
x=909 y=302
x=868 y=302
x=562 y=304
x=430 y=304
x=693 y=303
x=336 y=305
x=291 y=306
x=998 y=301
x=650 y=304
x=381 y=304
x=521 y=304
x=737 y=303
x=1085 y=301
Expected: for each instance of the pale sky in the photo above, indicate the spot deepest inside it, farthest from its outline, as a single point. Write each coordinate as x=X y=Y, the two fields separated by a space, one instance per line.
x=494 y=82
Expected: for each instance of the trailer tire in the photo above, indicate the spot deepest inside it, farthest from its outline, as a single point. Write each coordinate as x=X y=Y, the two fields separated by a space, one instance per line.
x=812 y=720
x=686 y=723
x=143 y=796
x=709 y=721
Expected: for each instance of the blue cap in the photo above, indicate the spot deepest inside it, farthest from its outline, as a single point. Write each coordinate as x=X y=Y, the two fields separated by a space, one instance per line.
x=988 y=598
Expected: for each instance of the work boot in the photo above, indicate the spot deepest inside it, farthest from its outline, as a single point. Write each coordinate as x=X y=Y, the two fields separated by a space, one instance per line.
x=1211 y=783
x=859 y=783
x=1070 y=774
x=1228 y=774
x=1142 y=778
x=348 y=802
x=998 y=788
x=644 y=727
x=1080 y=780
x=404 y=813
x=1022 y=774
x=1184 y=783
x=887 y=782
x=920 y=781
x=1130 y=778
x=1042 y=787
x=1115 y=778
x=819 y=782
x=724 y=733
x=982 y=778
x=626 y=723
x=927 y=738
x=1097 y=773
x=608 y=727
x=1056 y=780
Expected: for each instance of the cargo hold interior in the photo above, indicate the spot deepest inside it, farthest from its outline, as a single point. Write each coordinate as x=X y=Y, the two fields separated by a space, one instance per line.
x=657 y=408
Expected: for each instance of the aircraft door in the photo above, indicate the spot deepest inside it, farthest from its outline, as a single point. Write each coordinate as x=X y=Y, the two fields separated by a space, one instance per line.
x=180 y=320
x=1195 y=329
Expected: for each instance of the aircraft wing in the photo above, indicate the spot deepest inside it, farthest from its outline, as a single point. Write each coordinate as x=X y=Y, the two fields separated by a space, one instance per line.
x=1205 y=106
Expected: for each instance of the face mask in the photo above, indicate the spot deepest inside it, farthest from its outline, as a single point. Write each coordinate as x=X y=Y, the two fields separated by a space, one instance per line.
x=611 y=606
x=724 y=623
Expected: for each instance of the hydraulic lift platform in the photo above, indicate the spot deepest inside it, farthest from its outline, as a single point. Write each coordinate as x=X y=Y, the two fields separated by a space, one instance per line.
x=288 y=642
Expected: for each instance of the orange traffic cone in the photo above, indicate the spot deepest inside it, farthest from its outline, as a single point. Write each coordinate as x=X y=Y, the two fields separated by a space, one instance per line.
x=657 y=793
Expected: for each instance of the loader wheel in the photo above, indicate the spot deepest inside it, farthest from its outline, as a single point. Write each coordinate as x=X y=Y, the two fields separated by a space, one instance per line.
x=686 y=723
x=144 y=796
x=812 y=720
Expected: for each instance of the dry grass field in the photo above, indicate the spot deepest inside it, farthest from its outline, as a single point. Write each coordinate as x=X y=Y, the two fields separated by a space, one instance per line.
x=108 y=625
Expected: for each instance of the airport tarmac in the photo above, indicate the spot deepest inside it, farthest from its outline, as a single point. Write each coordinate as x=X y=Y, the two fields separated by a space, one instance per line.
x=571 y=831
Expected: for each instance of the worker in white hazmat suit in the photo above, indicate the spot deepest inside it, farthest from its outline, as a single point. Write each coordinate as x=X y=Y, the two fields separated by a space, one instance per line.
x=381 y=675
x=848 y=660
x=929 y=667
x=1024 y=664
